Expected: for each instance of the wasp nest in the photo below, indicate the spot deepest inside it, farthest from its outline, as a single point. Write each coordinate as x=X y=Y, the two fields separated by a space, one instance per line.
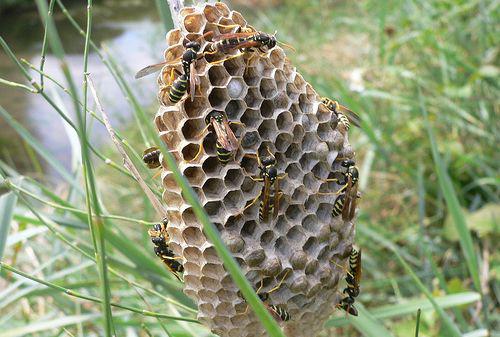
x=304 y=245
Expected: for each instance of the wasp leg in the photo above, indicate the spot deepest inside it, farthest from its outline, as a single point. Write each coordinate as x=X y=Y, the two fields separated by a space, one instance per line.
x=200 y=150
x=249 y=205
x=257 y=180
x=227 y=58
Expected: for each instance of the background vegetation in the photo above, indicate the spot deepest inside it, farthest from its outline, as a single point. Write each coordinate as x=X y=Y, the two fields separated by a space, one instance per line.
x=422 y=74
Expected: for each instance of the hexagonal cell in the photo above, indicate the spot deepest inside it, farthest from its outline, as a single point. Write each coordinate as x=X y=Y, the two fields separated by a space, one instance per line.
x=251 y=118
x=311 y=245
x=298 y=133
x=218 y=98
x=194 y=22
x=277 y=57
x=310 y=141
x=299 y=194
x=284 y=121
x=267 y=130
x=293 y=152
x=173 y=53
x=234 y=200
x=192 y=128
x=214 y=187
x=233 y=178
x=264 y=67
x=195 y=175
x=172 y=199
x=235 y=66
x=249 y=228
x=251 y=140
x=304 y=104
x=280 y=78
x=251 y=76
x=193 y=236
x=218 y=76
x=294 y=212
x=283 y=141
x=238 y=19
x=310 y=223
x=253 y=99
x=173 y=36
x=236 y=87
x=292 y=92
x=211 y=13
x=282 y=245
x=190 y=151
x=212 y=167
x=310 y=181
x=295 y=234
x=267 y=108
x=267 y=237
x=325 y=132
x=196 y=108
x=207 y=296
x=282 y=102
x=321 y=170
x=296 y=112
x=171 y=119
x=268 y=88
x=192 y=253
x=311 y=267
x=234 y=109
x=299 y=82
x=226 y=22
x=214 y=209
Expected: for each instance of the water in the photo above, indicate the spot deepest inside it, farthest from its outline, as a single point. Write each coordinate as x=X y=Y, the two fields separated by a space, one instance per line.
x=130 y=29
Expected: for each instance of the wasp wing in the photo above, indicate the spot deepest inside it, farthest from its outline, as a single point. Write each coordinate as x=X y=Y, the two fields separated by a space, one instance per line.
x=351 y=115
x=232 y=140
x=220 y=132
x=192 y=80
x=232 y=36
x=351 y=195
x=148 y=70
x=265 y=199
x=276 y=198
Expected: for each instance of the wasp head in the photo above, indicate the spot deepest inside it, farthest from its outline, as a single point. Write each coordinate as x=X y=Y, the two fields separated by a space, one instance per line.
x=194 y=45
x=347 y=163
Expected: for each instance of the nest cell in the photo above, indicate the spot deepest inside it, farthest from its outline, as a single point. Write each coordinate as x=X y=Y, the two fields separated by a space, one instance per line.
x=253 y=98
x=268 y=88
x=234 y=109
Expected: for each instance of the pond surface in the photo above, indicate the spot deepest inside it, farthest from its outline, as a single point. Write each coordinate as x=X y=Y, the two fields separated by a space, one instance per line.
x=135 y=37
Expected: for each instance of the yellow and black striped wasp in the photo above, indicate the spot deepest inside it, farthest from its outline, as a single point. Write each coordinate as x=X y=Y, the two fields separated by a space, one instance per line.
x=353 y=279
x=180 y=85
x=344 y=115
x=159 y=237
x=270 y=193
x=151 y=157
x=346 y=201
x=245 y=40
x=226 y=142
x=277 y=311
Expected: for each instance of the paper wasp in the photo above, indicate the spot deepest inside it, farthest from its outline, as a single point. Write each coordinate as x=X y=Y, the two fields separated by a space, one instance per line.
x=270 y=193
x=180 y=85
x=345 y=115
x=226 y=142
x=151 y=157
x=353 y=279
x=345 y=203
x=159 y=237
x=246 y=40
x=278 y=312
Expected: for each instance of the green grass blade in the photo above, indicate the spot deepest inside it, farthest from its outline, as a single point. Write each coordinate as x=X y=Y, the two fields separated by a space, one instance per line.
x=367 y=324
x=47 y=325
x=40 y=149
x=448 y=324
x=8 y=202
x=164 y=12
x=452 y=202
x=410 y=306
x=417 y=327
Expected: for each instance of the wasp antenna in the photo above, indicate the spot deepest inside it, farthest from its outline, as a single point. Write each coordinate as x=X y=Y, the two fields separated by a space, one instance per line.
x=287 y=45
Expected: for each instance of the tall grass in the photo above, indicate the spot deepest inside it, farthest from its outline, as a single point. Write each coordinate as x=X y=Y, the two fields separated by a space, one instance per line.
x=78 y=253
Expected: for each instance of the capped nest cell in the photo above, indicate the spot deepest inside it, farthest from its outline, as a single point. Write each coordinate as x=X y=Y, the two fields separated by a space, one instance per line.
x=278 y=110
